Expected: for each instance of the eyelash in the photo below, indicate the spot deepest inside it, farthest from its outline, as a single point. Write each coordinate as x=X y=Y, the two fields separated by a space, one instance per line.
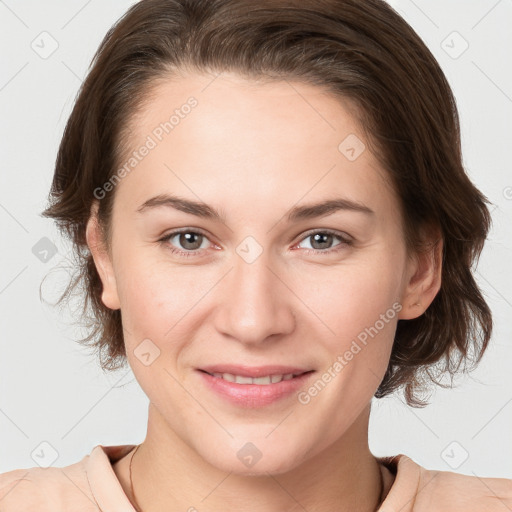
x=187 y=254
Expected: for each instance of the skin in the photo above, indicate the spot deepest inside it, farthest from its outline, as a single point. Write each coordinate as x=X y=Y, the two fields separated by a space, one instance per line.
x=254 y=151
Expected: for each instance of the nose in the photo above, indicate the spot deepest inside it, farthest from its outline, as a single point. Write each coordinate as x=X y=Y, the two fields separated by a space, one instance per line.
x=254 y=303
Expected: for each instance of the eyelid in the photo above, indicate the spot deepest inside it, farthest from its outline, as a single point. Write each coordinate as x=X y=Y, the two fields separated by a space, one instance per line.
x=340 y=234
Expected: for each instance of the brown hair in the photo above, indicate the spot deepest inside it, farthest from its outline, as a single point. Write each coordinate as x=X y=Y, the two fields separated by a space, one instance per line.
x=361 y=51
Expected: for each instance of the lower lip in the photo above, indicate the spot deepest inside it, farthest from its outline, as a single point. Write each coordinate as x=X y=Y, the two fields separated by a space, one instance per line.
x=254 y=395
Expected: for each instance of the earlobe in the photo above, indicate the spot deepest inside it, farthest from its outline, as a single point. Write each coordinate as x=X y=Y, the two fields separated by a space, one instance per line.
x=102 y=260
x=424 y=279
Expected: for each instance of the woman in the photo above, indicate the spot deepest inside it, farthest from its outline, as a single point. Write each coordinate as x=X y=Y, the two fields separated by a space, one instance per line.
x=213 y=150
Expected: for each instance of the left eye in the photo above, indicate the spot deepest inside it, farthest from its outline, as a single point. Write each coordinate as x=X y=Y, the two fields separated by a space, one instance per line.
x=323 y=241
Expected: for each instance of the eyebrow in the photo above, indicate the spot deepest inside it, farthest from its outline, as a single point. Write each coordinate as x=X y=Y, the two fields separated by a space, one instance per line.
x=203 y=210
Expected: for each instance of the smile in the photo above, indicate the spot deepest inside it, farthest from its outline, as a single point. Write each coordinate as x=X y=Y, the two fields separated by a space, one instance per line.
x=260 y=381
x=254 y=392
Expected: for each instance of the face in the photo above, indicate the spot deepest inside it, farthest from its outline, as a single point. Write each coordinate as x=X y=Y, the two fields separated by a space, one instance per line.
x=259 y=282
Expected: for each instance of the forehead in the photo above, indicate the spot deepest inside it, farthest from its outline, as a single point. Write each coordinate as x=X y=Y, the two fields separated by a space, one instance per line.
x=272 y=111
x=211 y=134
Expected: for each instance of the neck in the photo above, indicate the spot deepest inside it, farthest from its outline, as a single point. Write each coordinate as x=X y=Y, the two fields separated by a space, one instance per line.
x=169 y=475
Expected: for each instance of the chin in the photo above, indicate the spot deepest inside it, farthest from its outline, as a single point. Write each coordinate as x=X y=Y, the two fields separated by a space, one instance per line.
x=249 y=460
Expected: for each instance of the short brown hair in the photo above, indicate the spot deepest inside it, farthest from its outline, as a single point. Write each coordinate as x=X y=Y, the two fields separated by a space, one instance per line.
x=359 y=50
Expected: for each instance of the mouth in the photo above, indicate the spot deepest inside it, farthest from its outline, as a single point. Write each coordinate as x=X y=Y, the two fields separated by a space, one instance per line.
x=254 y=387
x=263 y=380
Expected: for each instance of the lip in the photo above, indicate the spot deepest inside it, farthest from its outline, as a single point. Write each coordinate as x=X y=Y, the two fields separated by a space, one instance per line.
x=255 y=395
x=254 y=371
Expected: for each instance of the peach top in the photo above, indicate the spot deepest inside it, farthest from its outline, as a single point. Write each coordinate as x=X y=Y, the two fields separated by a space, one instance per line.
x=91 y=485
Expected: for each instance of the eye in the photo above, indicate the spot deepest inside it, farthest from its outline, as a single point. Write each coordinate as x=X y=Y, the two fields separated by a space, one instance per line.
x=190 y=240
x=322 y=241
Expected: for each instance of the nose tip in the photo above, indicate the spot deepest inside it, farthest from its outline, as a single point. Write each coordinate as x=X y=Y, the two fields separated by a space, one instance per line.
x=254 y=304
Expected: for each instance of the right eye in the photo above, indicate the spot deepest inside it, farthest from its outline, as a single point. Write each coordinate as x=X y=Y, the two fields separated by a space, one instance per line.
x=189 y=239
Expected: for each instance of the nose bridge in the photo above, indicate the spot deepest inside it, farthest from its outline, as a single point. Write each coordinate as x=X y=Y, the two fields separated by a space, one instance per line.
x=254 y=303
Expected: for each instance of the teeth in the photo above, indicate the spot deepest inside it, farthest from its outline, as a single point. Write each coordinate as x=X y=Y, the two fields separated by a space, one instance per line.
x=261 y=381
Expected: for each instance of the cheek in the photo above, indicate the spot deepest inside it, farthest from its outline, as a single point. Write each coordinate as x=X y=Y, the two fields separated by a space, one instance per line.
x=357 y=308
x=160 y=301
x=154 y=304
x=148 y=293
x=360 y=307
x=350 y=297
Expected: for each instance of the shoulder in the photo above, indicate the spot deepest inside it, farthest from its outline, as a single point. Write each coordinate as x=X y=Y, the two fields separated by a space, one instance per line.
x=417 y=489
x=463 y=492
x=46 y=489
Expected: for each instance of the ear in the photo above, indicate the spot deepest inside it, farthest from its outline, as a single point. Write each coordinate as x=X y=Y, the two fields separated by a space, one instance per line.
x=102 y=260
x=423 y=276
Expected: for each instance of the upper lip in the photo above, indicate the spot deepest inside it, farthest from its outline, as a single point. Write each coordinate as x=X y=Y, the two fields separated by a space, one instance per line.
x=254 y=371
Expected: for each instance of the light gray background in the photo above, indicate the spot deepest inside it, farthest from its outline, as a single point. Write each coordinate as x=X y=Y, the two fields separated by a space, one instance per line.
x=53 y=392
